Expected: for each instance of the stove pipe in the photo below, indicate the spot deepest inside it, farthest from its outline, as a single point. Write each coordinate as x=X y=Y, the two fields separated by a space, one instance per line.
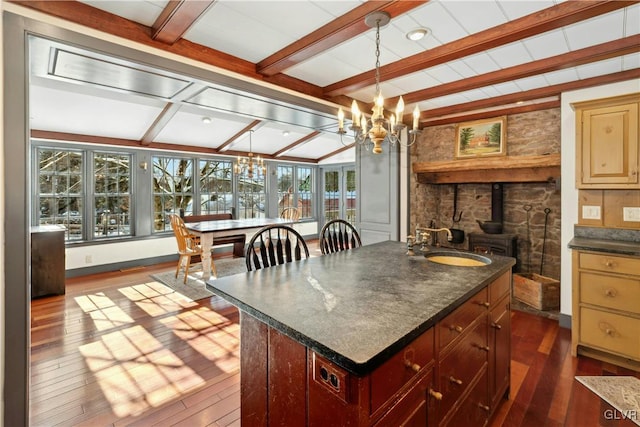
x=497 y=205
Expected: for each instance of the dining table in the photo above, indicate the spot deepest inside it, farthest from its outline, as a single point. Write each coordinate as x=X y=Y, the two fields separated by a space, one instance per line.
x=208 y=231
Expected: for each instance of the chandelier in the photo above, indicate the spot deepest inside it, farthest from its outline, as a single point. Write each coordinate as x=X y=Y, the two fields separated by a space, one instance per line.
x=376 y=130
x=251 y=163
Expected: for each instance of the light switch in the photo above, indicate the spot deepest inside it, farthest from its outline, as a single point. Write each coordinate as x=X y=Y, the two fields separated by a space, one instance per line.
x=591 y=212
x=631 y=214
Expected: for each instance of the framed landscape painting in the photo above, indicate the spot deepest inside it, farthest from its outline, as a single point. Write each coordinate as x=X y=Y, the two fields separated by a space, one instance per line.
x=481 y=138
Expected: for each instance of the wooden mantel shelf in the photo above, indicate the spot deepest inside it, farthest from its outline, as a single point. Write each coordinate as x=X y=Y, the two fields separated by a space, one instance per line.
x=490 y=169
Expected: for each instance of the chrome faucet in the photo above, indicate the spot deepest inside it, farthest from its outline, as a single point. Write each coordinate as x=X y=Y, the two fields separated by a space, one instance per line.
x=423 y=234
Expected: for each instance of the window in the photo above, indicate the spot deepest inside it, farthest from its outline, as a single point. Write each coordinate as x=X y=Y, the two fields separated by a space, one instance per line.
x=112 y=194
x=295 y=189
x=60 y=192
x=216 y=187
x=172 y=189
x=340 y=194
x=251 y=195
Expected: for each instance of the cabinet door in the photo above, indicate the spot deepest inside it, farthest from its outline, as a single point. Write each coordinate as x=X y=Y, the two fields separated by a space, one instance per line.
x=500 y=353
x=416 y=409
x=609 y=147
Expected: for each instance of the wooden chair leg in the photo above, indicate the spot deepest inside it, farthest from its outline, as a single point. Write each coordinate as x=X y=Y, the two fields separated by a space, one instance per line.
x=179 y=264
x=186 y=269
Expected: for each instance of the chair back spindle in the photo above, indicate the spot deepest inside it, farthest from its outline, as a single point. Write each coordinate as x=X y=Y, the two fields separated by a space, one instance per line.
x=275 y=245
x=338 y=235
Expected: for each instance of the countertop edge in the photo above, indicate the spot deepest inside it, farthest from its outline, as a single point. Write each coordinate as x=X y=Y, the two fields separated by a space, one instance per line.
x=606 y=246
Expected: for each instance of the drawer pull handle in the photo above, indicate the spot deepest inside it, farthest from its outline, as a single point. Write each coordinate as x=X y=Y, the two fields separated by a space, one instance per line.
x=458 y=329
x=496 y=326
x=413 y=366
x=608 y=263
x=485 y=407
x=455 y=380
x=484 y=347
x=484 y=303
x=610 y=332
x=607 y=329
x=611 y=292
x=435 y=394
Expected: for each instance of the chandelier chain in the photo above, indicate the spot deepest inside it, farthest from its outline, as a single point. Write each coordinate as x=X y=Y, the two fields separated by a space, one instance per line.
x=377 y=57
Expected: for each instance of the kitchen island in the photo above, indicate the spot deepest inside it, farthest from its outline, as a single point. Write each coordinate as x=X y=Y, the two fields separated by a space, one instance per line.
x=372 y=336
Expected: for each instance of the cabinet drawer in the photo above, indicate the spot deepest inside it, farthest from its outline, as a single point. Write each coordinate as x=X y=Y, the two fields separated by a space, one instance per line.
x=400 y=369
x=474 y=411
x=452 y=326
x=610 y=332
x=612 y=292
x=610 y=263
x=460 y=366
x=499 y=288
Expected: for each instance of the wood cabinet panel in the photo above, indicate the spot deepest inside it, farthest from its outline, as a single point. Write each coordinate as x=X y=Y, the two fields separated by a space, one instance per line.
x=474 y=409
x=607 y=143
x=400 y=369
x=500 y=351
x=610 y=332
x=455 y=324
x=416 y=409
x=47 y=261
x=499 y=288
x=460 y=365
x=618 y=293
x=609 y=263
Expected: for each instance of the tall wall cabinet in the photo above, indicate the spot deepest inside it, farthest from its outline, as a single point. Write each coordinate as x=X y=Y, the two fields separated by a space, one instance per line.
x=608 y=154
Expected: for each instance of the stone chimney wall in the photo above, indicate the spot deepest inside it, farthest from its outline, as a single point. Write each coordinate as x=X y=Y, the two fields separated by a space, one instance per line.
x=533 y=133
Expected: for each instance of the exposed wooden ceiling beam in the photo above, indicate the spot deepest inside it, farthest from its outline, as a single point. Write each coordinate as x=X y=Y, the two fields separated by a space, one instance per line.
x=587 y=55
x=536 y=23
x=512 y=98
x=333 y=153
x=476 y=115
x=297 y=143
x=176 y=18
x=341 y=29
x=225 y=145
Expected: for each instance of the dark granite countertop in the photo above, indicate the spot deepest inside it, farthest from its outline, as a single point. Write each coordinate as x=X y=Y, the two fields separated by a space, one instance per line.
x=359 y=307
x=605 y=245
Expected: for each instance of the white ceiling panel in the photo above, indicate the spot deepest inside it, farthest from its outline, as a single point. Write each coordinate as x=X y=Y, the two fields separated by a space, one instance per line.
x=88 y=115
x=326 y=143
x=144 y=12
x=510 y=55
x=631 y=61
x=486 y=14
x=481 y=63
x=600 y=29
x=632 y=20
x=530 y=83
x=546 y=45
x=519 y=8
x=506 y=88
x=444 y=29
x=600 y=68
x=188 y=126
x=561 y=76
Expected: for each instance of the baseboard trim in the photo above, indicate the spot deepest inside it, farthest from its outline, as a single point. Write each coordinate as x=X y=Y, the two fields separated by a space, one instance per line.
x=564 y=320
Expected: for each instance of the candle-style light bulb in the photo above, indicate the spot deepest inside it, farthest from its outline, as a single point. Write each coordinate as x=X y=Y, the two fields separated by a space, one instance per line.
x=400 y=109
x=340 y=119
x=416 y=117
x=392 y=120
x=379 y=106
x=355 y=113
x=363 y=125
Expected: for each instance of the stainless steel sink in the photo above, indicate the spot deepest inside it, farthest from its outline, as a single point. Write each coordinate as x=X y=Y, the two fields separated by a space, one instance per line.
x=458 y=259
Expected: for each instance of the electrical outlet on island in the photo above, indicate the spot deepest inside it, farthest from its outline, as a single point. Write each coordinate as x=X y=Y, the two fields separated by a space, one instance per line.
x=591 y=212
x=631 y=214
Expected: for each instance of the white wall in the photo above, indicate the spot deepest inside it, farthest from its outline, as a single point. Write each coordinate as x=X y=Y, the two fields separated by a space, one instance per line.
x=569 y=203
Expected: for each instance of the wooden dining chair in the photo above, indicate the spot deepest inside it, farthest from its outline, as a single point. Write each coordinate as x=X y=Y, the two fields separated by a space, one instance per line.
x=290 y=213
x=188 y=246
x=273 y=245
x=338 y=235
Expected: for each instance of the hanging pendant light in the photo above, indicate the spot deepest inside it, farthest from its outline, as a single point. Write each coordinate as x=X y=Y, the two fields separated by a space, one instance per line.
x=374 y=131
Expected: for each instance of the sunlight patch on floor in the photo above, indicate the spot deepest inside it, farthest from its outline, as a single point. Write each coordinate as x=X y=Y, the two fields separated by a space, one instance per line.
x=209 y=333
x=157 y=299
x=135 y=371
x=103 y=311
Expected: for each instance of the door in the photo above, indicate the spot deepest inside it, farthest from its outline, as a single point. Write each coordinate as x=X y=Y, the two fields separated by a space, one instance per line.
x=339 y=194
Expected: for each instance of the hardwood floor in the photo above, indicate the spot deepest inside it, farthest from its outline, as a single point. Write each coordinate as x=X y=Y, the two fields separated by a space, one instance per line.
x=118 y=350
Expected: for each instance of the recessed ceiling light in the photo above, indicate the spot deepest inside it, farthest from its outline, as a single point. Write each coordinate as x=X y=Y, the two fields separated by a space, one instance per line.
x=285 y=133
x=206 y=120
x=417 y=34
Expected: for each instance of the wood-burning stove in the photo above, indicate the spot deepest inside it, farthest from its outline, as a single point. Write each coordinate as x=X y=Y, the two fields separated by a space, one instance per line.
x=496 y=244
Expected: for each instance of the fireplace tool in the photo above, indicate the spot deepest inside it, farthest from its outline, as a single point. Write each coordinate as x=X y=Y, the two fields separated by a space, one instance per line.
x=544 y=237
x=527 y=209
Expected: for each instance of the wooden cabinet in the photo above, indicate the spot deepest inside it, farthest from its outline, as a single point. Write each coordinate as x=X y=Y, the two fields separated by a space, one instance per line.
x=452 y=374
x=608 y=154
x=47 y=260
x=606 y=313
